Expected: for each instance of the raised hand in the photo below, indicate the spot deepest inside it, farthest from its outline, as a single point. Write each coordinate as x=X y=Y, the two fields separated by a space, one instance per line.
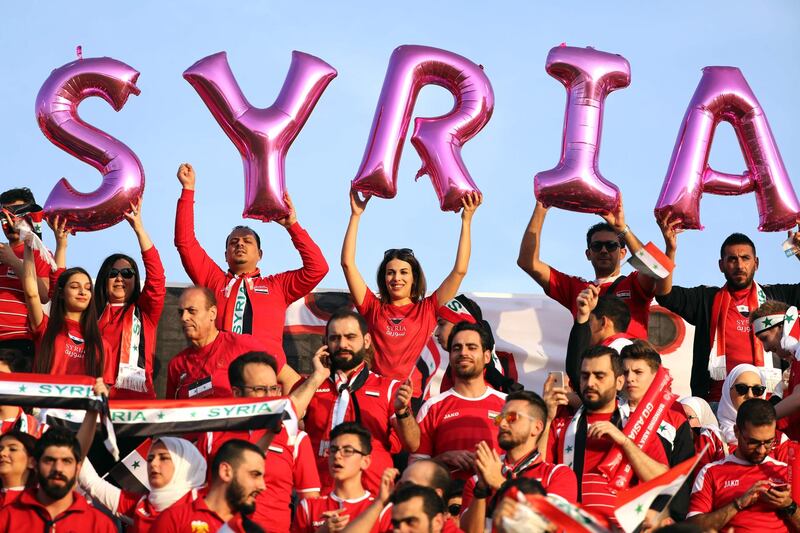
x=357 y=205
x=469 y=204
x=186 y=176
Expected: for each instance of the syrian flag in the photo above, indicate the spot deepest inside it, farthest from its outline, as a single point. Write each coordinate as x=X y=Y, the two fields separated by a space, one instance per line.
x=632 y=504
x=130 y=474
x=558 y=511
x=651 y=261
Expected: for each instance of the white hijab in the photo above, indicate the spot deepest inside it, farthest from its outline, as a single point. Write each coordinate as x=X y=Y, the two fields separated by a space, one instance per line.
x=726 y=412
x=190 y=473
x=705 y=416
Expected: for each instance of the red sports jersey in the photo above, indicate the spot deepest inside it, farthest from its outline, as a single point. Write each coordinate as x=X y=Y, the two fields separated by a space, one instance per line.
x=450 y=422
x=719 y=483
x=9 y=495
x=565 y=289
x=24 y=422
x=399 y=333
x=192 y=365
x=791 y=424
x=27 y=514
x=375 y=399
x=191 y=517
x=68 y=348
x=716 y=447
x=308 y=515
x=289 y=466
x=267 y=297
x=13 y=311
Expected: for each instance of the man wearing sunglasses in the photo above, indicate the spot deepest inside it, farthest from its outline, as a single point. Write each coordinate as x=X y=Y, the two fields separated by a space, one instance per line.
x=748 y=490
x=519 y=427
x=18 y=204
x=607 y=245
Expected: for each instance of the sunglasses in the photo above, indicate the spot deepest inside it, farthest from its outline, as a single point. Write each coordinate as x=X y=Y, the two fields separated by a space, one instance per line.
x=741 y=389
x=126 y=273
x=511 y=417
x=454 y=509
x=403 y=251
x=611 y=246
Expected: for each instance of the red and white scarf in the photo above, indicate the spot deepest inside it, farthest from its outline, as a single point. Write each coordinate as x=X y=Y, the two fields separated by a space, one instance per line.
x=131 y=373
x=234 y=313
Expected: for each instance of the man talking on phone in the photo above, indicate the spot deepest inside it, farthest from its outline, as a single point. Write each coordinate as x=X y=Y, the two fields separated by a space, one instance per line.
x=748 y=490
x=353 y=393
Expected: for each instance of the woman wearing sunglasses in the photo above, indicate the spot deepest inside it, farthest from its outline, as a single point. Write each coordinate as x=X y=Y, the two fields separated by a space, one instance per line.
x=401 y=318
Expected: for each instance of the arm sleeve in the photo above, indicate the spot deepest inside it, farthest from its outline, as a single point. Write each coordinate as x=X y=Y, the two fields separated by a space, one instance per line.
x=301 y=522
x=563 y=483
x=151 y=299
x=298 y=283
x=702 y=498
x=99 y=489
x=562 y=288
x=306 y=477
x=43 y=269
x=425 y=432
x=579 y=339
x=198 y=265
x=172 y=380
x=687 y=303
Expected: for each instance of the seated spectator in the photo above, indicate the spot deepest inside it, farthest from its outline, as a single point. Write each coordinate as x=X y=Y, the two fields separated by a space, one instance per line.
x=237 y=478
x=706 y=430
x=748 y=490
x=16 y=465
x=742 y=383
x=417 y=508
x=58 y=463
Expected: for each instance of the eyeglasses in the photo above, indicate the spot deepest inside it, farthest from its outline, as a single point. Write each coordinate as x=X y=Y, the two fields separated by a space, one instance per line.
x=347 y=451
x=272 y=390
x=611 y=246
x=511 y=417
x=753 y=443
x=742 y=388
x=454 y=509
x=402 y=251
x=126 y=273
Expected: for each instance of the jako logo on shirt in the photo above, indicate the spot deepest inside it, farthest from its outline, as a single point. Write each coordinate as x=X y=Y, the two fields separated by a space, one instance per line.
x=730 y=483
x=450 y=415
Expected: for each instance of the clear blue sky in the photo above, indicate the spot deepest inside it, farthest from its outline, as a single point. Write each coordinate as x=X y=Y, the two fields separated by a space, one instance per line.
x=667 y=43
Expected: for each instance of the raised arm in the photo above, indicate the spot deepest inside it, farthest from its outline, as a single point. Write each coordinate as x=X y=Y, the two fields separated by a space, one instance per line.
x=134 y=218
x=669 y=229
x=449 y=287
x=404 y=422
x=580 y=334
x=616 y=219
x=301 y=396
x=30 y=287
x=528 y=259
x=355 y=282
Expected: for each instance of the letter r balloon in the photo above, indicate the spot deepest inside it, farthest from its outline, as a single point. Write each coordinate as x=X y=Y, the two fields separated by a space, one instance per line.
x=589 y=75
x=438 y=140
x=57 y=115
x=262 y=136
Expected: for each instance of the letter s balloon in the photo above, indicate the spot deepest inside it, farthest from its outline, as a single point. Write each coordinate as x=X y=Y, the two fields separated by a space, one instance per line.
x=57 y=115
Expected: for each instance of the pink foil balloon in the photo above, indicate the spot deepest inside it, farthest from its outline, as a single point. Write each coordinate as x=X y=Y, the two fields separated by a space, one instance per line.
x=262 y=136
x=57 y=115
x=723 y=94
x=438 y=140
x=576 y=183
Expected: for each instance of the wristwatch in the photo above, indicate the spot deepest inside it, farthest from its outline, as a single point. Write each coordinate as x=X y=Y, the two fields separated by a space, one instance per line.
x=789 y=510
x=624 y=232
x=406 y=414
x=481 y=491
x=737 y=505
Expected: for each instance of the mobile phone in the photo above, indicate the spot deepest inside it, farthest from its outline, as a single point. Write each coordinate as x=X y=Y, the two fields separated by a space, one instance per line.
x=778 y=484
x=559 y=379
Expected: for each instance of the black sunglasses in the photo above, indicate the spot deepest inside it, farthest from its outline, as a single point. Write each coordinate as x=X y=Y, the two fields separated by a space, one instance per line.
x=741 y=389
x=126 y=273
x=611 y=246
x=454 y=509
x=406 y=251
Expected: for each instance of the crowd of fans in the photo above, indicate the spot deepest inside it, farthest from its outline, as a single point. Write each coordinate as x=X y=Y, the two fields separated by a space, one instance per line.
x=372 y=452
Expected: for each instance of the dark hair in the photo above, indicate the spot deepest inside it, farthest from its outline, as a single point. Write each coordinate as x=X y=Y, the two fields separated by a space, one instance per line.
x=56 y=324
x=101 y=285
x=60 y=437
x=15 y=358
x=232 y=452
x=418 y=286
x=732 y=240
x=525 y=485
x=602 y=226
x=354 y=428
x=455 y=490
x=345 y=313
x=536 y=403
x=615 y=310
x=27 y=440
x=247 y=229
x=596 y=352
x=770 y=307
x=236 y=368
x=469 y=326
x=432 y=504
x=641 y=350
x=211 y=300
x=14 y=195
x=756 y=412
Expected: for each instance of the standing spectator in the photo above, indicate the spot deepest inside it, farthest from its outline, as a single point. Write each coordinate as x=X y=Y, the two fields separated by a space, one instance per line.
x=201 y=370
x=450 y=425
x=748 y=490
x=248 y=301
x=605 y=249
x=401 y=318
x=723 y=337
x=58 y=463
x=16 y=465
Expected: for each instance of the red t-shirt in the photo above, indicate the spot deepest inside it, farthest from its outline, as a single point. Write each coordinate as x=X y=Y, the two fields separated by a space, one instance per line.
x=399 y=333
x=719 y=483
x=25 y=423
x=10 y=495
x=68 y=349
x=194 y=364
x=308 y=515
x=27 y=514
x=791 y=424
x=449 y=422
x=715 y=451
x=191 y=517
x=565 y=289
x=13 y=311
x=375 y=399
x=137 y=507
x=289 y=466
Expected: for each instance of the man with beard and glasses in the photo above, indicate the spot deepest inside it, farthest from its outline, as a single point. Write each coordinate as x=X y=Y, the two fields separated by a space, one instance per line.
x=54 y=505
x=352 y=394
x=747 y=490
x=582 y=440
x=723 y=337
x=519 y=426
x=237 y=478
x=450 y=425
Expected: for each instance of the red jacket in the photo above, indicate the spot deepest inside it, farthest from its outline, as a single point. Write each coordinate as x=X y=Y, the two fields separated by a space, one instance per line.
x=27 y=514
x=268 y=297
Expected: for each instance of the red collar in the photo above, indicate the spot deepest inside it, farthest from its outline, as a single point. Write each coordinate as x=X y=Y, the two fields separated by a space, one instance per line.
x=28 y=499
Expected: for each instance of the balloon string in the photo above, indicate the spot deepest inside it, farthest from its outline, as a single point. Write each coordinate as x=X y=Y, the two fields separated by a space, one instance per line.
x=79 y=51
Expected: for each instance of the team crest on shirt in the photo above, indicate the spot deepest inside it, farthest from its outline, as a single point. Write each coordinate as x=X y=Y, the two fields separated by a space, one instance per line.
x=395 y=327
x=76 y=340
x=198 y=526
x=493 y=414
x=396 y=321
x=11 y=274
x=262 y=290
